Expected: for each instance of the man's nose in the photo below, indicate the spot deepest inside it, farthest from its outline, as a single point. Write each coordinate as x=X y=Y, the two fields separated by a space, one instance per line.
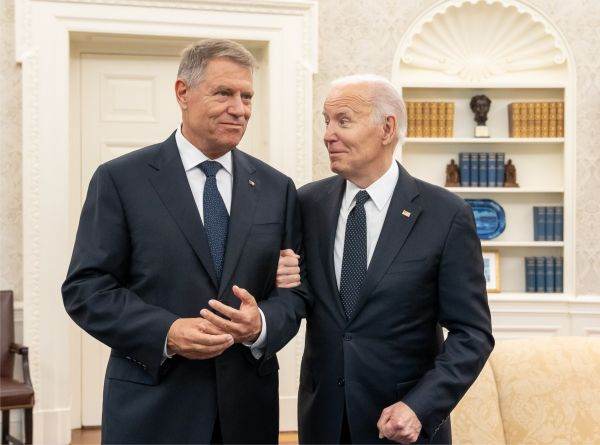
x=236 y=108
x=330 y=135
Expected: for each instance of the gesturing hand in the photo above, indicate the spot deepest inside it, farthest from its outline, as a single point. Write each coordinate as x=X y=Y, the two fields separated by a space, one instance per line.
x=288 y=271
x=399 y=423
x=196 y=339
x=244 y=324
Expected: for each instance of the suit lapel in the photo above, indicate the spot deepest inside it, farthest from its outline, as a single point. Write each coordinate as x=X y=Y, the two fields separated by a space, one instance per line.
x=332 y=201
x=246 y=189
x=172 y=186
x=396 y=229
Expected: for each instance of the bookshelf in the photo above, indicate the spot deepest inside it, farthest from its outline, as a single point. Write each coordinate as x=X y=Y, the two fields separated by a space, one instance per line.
x=545 y=166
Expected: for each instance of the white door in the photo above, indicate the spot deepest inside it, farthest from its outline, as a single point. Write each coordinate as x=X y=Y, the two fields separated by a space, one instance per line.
x=128 y=102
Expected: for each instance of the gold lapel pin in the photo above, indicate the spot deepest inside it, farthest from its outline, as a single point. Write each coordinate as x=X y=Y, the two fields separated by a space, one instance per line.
x=251 y=182
x=406 y=213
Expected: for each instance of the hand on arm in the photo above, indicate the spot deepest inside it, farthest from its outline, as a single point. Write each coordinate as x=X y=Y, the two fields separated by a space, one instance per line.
x=399 y=423
x=288 y=269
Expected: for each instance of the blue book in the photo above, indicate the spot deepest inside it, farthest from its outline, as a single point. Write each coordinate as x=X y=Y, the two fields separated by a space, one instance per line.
x=549 y=223
x=558 y=274
x=483 y=169
x=558 y=223
x=540 y=274
x=530 y=274
x=549 y=280
x=492 y=170
x=474 y=162
x=539 y=223
x=465 y=169
x=499 y=169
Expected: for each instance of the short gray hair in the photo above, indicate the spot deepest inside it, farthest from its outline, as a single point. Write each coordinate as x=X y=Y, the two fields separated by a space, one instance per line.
x=387 y=100
x=195 y=58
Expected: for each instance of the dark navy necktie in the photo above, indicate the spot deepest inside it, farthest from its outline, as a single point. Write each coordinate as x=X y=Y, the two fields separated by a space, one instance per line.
x=354 y=261
x=216 y=218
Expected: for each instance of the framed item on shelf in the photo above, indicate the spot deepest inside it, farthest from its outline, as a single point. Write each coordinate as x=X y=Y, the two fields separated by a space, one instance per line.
x=491 y=270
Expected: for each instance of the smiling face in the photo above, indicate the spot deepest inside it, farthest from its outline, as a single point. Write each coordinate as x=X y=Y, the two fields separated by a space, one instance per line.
x=356 y=144
x=216 y=111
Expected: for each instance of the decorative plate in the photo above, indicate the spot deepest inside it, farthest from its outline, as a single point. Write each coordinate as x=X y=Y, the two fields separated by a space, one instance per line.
x=489 y=218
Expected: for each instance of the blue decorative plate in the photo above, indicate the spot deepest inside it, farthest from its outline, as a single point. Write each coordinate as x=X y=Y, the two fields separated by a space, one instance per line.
x=489 y=218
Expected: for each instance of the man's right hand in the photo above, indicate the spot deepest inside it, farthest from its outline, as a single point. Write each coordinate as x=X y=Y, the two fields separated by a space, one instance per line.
x=288 y=270
x=196 y=339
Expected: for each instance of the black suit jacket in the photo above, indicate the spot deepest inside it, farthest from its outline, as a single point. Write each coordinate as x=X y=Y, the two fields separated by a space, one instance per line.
x=141 y=260
x=426 y=272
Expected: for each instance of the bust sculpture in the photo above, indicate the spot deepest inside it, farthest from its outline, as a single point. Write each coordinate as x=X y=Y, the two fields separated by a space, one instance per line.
x=480 y=105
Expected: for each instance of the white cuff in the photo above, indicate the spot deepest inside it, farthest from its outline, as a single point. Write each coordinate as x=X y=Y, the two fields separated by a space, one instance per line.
x=257 y=348
x=166 y=355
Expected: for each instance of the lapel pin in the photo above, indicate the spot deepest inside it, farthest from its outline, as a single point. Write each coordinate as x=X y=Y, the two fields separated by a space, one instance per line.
x=251 y=182
x=406 y=213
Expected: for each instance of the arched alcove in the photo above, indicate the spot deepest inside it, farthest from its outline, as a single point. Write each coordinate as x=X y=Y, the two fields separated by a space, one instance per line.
x=511 y=52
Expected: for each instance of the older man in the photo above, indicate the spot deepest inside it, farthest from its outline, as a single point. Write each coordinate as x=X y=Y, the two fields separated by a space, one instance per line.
x=391 y=260
x=169 y=230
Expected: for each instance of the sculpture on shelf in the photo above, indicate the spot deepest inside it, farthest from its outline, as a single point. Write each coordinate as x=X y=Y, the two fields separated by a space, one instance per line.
x=480 y=105
x=452 y=174
x=510 y=175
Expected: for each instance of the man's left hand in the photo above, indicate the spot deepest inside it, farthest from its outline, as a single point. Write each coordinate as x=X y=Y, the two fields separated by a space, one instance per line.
x=399 y=423
x=244 y=324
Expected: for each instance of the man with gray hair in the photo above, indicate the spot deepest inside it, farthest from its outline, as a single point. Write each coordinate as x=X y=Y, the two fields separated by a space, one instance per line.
x=174 y=230
x=390 y=261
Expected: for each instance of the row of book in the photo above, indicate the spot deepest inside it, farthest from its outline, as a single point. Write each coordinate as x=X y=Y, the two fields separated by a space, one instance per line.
x=536 y=119
x=481 y=169
x=543 y=274
x=548 y=223
x=430 y=119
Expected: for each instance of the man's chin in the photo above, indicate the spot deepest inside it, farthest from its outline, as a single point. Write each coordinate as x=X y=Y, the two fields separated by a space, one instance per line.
x=336 y=167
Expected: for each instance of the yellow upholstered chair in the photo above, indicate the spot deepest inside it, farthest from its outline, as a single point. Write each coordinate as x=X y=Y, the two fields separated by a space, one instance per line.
x=534 y=391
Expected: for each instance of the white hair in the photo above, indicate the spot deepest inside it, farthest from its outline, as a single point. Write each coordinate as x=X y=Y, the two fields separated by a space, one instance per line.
x=387 y=100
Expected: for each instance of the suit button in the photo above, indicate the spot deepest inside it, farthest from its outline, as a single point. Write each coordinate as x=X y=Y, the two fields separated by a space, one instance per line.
x=347 y=337
x=341 y=381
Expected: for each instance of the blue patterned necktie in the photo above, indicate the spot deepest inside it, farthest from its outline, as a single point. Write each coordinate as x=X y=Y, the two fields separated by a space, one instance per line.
x=354 y=261
x=216 y=218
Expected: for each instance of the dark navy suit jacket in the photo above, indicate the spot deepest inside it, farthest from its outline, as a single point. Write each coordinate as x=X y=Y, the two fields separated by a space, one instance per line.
x=141 y=260
x=426 y=272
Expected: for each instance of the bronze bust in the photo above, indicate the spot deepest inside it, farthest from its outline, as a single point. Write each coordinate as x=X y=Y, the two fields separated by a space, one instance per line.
x=480 y=105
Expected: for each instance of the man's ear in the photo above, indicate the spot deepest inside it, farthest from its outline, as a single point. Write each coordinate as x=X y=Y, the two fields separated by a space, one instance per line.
x=181 y=90
x=389 y=130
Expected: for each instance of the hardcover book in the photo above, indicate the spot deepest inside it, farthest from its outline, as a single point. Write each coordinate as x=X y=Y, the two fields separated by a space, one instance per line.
x=530 y=274
x=540 y=274
x=465 y=169
x=483 y=170
x=558 y=274
x=500 y=170
x=549 y=223
x=549 y=279
x=558 y=223
x=474 y=162
x=539 y=223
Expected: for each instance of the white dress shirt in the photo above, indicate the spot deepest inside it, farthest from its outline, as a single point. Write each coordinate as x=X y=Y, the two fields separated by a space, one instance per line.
x=376 y=208
x=191 y=158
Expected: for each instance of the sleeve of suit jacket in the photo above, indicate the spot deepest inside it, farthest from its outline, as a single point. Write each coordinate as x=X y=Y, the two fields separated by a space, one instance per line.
x=95 y=291
x=463 y=310
x=285 y=308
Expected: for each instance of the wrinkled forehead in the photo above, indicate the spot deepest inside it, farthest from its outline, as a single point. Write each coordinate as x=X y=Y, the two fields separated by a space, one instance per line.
x=354 y=98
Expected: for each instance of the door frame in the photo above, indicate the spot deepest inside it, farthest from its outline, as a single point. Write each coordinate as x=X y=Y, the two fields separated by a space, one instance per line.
x=44 y=33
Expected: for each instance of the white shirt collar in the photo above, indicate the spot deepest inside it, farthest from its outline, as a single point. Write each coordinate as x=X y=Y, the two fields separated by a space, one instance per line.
x=380 y=191
x=192 y=156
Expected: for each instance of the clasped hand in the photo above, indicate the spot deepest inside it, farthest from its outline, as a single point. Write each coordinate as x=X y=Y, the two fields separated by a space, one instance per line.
x=211 y=334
